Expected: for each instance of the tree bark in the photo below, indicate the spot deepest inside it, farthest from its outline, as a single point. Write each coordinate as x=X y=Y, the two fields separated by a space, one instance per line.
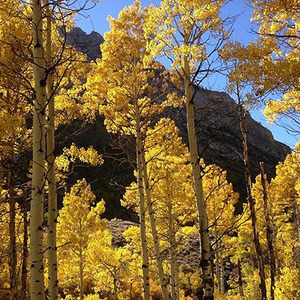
x=219 y=270
x=52 y=194
x=222 y=277
x=81 y=286
x=38 y=161
x=269 y=233
x=156 y=243
x=145 y=254
x=25 y=247
x=173 y=257
x=12 y=236
x=205 y=252
x=258 y=251
x=115 y=290
x=240 y=278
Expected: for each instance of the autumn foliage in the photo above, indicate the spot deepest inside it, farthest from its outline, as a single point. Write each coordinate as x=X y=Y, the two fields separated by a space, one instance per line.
x=196 y=237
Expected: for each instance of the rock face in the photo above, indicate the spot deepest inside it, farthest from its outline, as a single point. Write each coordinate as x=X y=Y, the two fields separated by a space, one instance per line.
x=219 y=136
x=86 y=43
x=220 y=139
x=188 y=257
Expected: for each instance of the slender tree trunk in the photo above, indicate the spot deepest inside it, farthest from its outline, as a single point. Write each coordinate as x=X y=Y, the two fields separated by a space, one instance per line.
x=205 y=252
x=269 y=233
x=240 y=278
x=177 y=290
x=222 y=278
x=12 y=236
x=52 y=195
x=220 y=266
x=157 y=253
x=38 y=161
x=25 y=247
x=297 y=229
x=115 y=290
x=145 y=254
x=220 y=271
x=218 y=275
x=81 y=287
x=262 y=284
x=173 y=257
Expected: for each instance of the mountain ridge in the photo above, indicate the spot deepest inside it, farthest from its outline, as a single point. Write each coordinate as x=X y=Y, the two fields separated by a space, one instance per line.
x=217 y=123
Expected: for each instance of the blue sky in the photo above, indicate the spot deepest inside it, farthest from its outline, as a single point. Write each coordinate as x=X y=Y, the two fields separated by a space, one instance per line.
x=96 y=20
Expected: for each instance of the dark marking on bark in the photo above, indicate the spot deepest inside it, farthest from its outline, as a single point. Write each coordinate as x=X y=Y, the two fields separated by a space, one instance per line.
x=204 y=263
x=208 y=281
x=43 y=83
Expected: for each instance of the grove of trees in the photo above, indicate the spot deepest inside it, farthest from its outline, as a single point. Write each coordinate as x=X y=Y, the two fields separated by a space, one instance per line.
x=55 y=242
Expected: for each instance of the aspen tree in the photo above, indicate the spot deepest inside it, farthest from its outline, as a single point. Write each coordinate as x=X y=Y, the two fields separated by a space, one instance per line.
x=10 y=140
x=278 y=23
x=12 y=235
x=25 y=246
x=240 y=279
x=38 y=159
x=16 y=80
x=167 y=159
x=271 y=63
x=276 y=53
x=156 y=241
x=78 y=221
x=129 y=104
x=221 y=200
x=13 y=137
x=283 y=192
x=52 y=194
x=282 y=215
x=170 y=175
x=17 y=77
x=4 y=243
x=112 y=267
x=174 y=282
x=236 y=87
x=269 y=231
x=13 y=106
x=171 y=199
x=256 y=241
x=8 y=245
x=142 y=207
x=180 y=30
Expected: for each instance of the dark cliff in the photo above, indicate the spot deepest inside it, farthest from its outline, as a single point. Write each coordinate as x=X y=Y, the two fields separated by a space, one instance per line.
x=219 y=139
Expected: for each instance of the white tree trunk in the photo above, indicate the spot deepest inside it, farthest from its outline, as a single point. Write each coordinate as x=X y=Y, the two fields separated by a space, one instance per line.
x=81 y=267
x=157 y=253
x=173 y=257
x=38 y=160
x=25 y=248
x=255 y=233
x=52 y=194
x=200 y=202
x=12 y=235
x=145 y=254
x=269 y=233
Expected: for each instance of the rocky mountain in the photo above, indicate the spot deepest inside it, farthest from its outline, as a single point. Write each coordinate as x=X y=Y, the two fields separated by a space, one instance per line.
x=219 y=138
x=86 y=43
